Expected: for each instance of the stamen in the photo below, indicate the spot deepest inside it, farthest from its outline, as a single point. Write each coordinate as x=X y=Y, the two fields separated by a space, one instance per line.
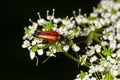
x=74 y=13
x=37 y=60
x=39 y=15
x=47 y=12
x=79 y=11
x=31 y=21
x=85 y=15
x=93 y=8
x=53 y=13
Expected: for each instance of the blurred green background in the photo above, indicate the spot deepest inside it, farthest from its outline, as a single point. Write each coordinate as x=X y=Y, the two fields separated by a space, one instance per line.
x=15 y=63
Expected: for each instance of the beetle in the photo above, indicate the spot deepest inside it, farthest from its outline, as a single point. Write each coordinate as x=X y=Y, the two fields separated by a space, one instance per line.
x=48 y=35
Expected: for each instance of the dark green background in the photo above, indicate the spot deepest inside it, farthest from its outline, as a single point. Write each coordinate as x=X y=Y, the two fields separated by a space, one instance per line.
x=15 y=63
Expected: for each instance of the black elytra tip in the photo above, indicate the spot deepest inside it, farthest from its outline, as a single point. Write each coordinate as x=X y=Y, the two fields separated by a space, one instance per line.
x=62 y=38
x=36 y=34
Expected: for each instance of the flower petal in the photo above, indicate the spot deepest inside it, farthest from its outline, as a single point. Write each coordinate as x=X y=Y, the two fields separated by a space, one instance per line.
x=76 y=48
x=40 y=52
x=66 y=48
x=32 y=55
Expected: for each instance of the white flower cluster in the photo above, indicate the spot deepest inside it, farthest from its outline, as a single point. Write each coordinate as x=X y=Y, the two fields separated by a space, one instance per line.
x=104 y=57
x=65 y=27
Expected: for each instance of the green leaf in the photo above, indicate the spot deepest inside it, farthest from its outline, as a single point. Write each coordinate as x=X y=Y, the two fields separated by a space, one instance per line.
x=71 y=42
x=106 y=52
x=51 y=51
x=90 y=18
x=82 y=74
x=99 y=6
x=35 y=48
x=26 y=30
x=48 y=43
x=44 y=47
x=48 y=26
x=59 y=49
x=116 y=1
x=108 y=77
x=113 y=11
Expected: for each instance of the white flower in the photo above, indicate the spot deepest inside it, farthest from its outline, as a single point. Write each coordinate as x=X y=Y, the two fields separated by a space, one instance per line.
x=83 y=59
x=28 y=36
x=32 y=54
x=26 y=44
x=50 y=54
x=36 y=41
x=79 y=19
x=114 y=72
x=113 y=44
x=98 y=48
x=97 y=24
x=71 y=34
x=101 y=68
x=105 y=37
x=40 y=52
x=40 y=45
x=86 y=77
x=114 y=66
x=104 y=43
x=75 y=48
x=33 y=27
x=84 y=20
x=92 y=59
x=118 y=36
x=78 y=33
x=91 y=51
x=66 y=47
x=113 y=18
x=92 y=78
x=118 y=53
x=54 y=28
x=92 y=28
x=111 y=36
x=118 y=69
x=102 y=21
x=111 y=60
x=56 y=20
x=93 y=14
x=50 y=17
x=52 y=49
x=62 y=30
x=92 y=69
x=78 y=77
x=114 y=55
x=41 y=21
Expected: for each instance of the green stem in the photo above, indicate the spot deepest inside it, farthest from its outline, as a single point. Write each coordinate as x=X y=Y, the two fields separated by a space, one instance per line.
x=96 y=76
x=46 y=59
x=74 y=58
x=100 y=55
x=87 y=64
x=71 y=57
